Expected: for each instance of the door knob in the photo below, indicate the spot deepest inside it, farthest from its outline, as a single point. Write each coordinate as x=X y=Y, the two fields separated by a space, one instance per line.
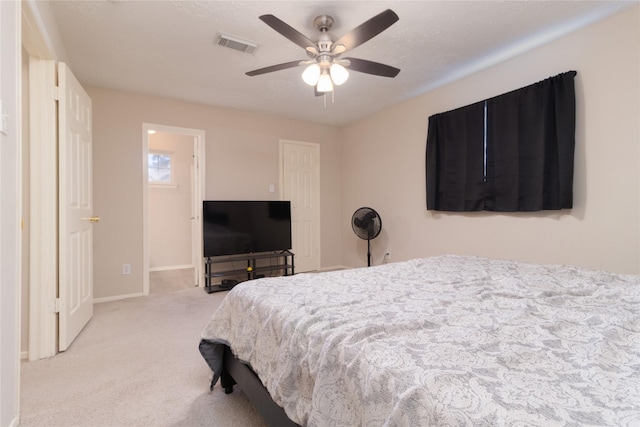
x=92 y=219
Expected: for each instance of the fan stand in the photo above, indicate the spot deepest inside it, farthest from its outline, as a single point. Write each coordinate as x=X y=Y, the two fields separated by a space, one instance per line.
x=368 y=252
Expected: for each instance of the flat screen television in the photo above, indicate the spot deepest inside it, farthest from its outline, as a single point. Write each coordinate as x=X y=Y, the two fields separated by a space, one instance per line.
x=233 y=227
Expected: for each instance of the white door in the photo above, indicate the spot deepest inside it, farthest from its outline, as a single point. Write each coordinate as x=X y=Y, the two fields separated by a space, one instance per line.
x=301 y=185
x=75 y=203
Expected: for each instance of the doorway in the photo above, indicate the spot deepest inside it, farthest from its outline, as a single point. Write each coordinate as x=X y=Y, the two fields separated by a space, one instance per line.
x=173 y=190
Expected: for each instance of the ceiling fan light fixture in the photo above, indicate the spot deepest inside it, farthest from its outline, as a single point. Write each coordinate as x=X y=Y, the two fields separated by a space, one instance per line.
x=311 y=74
x=339 y=74
x=324 y=83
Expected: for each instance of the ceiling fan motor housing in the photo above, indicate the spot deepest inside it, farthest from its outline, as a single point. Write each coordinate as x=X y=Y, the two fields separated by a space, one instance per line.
x=323 y=23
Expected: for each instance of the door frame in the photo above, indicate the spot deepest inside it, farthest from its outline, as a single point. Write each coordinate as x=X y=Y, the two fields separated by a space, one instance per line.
x=43 y=196
x=197 y=197
x=43 y=269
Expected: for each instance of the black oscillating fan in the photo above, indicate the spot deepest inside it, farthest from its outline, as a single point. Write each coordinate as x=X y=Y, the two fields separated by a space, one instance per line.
x=366 y=223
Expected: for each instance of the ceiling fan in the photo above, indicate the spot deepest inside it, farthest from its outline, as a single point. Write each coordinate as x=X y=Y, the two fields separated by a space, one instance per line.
x=326 y=68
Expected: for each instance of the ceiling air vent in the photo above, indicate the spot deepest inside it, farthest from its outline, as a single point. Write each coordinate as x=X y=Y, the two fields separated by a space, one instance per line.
x=236 y=43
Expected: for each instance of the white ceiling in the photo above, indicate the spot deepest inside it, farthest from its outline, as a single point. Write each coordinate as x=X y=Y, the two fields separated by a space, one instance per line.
x=168 y=48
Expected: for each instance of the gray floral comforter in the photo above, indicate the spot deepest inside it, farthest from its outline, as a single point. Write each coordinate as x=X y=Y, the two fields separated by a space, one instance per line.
x=442 y=341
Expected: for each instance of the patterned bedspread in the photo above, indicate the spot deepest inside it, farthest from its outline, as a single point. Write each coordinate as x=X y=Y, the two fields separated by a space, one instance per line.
x=442 y=341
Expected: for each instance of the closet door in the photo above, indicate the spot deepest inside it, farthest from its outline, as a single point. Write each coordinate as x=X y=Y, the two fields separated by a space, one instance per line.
x=301 y=185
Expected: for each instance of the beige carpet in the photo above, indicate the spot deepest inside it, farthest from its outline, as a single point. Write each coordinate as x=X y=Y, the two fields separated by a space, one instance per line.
x=135 y=364
x=171 y=280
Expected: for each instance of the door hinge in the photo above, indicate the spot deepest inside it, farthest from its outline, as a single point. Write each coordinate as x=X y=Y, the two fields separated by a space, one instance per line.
x=56 y=93
x=57 y=305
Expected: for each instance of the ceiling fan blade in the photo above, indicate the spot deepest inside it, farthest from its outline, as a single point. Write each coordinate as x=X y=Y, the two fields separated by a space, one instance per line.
x=367 y=30
x=370 y=67
x=287 y=31
x=273 y=68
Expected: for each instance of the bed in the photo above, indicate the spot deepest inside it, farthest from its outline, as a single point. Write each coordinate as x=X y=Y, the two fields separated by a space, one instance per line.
x=440 y=341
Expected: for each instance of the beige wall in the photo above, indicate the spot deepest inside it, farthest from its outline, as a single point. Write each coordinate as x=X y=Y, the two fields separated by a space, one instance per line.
x=170 y=206
x=241 y=161
x=601 y=231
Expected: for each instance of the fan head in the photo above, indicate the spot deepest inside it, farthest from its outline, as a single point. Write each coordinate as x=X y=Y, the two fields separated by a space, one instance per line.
x=366 y=223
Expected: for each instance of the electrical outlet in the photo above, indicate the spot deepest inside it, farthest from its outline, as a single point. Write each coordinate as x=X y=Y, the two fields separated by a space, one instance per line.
x=386 y=258
x=126 y=269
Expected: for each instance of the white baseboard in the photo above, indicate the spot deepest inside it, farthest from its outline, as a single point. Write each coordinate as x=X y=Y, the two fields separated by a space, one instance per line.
x=171 y=267
x=333 y=268
x=116 y=298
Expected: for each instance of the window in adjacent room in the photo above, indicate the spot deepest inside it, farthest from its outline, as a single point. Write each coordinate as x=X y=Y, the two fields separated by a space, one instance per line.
x=160 y=171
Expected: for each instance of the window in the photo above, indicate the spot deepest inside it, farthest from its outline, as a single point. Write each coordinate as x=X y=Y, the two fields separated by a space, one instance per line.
x=512 y=152
x=160 y=168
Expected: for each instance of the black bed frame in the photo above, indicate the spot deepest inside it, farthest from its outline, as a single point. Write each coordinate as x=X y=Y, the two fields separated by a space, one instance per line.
x=236 y=372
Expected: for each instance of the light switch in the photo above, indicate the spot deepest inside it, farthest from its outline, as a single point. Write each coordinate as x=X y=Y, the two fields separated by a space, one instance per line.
x=272 y=188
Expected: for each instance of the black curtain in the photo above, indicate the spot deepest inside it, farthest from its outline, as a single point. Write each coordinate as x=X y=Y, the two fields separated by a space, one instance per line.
x=530 y=146
x=530 y=142
x=455 y=165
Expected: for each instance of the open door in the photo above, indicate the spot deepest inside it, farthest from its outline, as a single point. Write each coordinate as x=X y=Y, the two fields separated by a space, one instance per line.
x=75 y=204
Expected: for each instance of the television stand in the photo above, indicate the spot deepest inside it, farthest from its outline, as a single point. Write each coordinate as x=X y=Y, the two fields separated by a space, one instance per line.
x=284 y=261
